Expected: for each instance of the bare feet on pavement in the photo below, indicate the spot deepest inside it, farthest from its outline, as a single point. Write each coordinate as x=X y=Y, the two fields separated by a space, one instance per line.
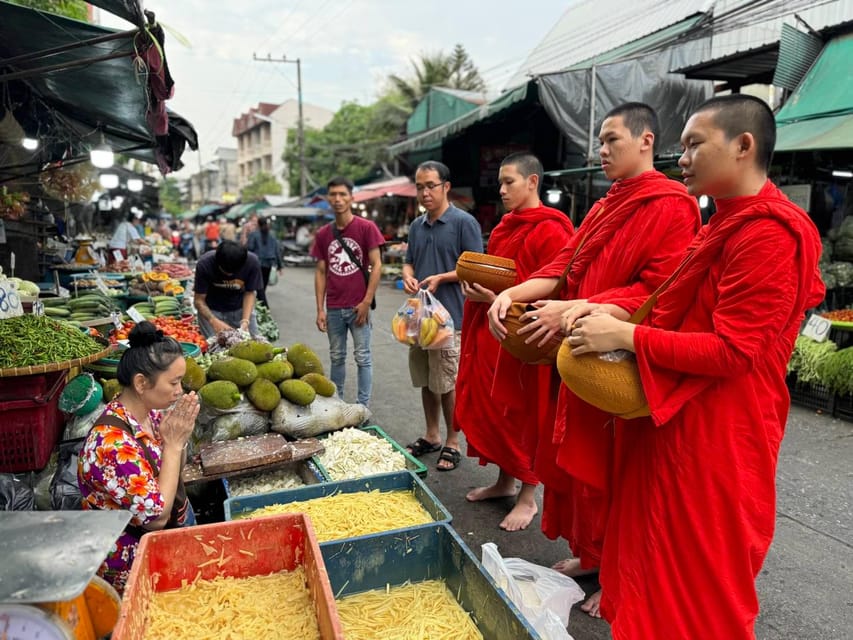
x=490 y=493
x=572 y=567
x=593 y=605
x=520 y=516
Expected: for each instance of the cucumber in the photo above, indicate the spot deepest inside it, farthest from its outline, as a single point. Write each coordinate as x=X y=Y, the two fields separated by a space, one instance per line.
x=57 y=312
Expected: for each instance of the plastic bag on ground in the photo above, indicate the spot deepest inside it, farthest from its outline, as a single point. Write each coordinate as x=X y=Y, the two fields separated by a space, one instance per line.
x=239 y=425
x=322 y=415
x=16 y=494
x=544 y=596
x=64 y=493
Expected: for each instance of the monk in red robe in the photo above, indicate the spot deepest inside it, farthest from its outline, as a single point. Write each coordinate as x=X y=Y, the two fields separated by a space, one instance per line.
x=628 y=244
x=498 y=398
x=694 y=495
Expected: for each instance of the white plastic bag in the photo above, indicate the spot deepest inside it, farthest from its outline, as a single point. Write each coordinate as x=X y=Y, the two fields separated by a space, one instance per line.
x=544 y=596
x=322 y=415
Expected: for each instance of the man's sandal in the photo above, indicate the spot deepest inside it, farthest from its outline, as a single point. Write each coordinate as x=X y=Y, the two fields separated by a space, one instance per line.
x=421 y=447
x=451 y=455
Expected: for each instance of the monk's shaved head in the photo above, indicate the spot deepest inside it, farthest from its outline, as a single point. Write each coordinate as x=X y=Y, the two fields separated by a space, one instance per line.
x=738 y=114
x=638 y=118
x=526 y=163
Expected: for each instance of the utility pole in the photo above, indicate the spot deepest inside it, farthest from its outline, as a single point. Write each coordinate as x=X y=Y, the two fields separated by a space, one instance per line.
x=300 y=131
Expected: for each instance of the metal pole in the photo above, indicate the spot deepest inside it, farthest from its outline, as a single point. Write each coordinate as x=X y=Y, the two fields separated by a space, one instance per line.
x=302 y=177
x=591 y=137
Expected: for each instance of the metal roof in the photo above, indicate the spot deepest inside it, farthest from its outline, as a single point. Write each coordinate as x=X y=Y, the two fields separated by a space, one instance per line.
x=741 y=68
x=589 y=28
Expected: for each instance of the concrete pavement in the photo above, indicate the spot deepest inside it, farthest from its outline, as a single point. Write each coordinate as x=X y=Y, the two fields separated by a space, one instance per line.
x=806 y=585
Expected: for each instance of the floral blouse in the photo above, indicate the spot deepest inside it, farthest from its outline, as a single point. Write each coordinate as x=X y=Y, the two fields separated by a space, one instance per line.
x=113 y=473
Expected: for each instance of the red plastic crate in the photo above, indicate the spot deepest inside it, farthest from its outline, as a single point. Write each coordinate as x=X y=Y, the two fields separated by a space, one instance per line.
x=278 y=543
x=30 y=420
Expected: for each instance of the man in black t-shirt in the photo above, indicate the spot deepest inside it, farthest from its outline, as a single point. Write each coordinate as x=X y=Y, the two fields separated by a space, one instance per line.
x=226 y=284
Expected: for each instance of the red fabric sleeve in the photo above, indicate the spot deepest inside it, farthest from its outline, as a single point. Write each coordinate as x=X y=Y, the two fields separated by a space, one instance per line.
x=671 y=244
x=757 y=290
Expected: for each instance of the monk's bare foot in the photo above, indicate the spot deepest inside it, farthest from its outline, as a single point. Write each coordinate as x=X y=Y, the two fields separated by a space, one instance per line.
x=490 y=493
x=572 y=567
x=520 y=517
x=593 y=605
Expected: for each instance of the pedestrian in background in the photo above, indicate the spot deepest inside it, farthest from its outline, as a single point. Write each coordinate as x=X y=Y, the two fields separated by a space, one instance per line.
x=349 y=266
x=436 y=240
x=265 y=246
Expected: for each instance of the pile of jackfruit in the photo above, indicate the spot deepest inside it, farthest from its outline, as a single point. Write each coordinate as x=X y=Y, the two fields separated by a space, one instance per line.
x=265 y=373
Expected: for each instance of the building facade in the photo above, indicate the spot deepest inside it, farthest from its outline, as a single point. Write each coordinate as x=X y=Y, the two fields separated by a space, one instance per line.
x=217 y=181
x=261 y=135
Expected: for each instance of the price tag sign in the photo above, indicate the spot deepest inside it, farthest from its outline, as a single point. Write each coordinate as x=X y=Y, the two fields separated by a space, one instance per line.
x=38 y=308
x=817 y=328
x=135 y=315
x=10 y=303
x=102 y=286
x=117 y=255
x=116 y=317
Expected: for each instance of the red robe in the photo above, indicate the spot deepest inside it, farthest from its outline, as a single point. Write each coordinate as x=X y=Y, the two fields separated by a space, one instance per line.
x=636 y=235
x=694 y=486
x=498 y=398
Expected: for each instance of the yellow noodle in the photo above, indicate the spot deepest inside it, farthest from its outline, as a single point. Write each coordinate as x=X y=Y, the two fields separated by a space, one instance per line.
x=344 y=515
x=421 y=611
x=277 y=605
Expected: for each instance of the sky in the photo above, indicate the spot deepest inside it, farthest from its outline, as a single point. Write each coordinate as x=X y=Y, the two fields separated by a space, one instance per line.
x=347 y=49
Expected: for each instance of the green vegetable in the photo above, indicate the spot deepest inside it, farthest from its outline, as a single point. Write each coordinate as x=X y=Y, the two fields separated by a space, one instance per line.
x=838 y=371
x=29 y=340
x=266 y=325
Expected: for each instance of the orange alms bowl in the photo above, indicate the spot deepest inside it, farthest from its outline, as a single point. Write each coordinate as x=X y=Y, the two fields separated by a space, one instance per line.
x=491 y=272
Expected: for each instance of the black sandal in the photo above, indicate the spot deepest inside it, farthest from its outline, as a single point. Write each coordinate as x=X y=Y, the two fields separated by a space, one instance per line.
x=421 y=447
x=451 y=455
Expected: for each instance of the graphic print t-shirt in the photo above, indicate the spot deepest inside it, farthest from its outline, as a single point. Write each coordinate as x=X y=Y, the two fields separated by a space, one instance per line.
x=345 y=286
x=226 y=293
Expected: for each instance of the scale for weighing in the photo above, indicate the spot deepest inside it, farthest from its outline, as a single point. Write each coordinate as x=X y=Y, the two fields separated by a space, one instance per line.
x=48 y=587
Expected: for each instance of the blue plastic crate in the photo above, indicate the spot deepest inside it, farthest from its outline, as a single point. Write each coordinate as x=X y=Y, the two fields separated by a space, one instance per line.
x=397 y=481
x=307 y=470
x=429 y=552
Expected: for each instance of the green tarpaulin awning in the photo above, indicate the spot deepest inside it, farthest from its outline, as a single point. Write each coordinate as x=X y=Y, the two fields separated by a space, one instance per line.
x=819 y=114
x=244 y=210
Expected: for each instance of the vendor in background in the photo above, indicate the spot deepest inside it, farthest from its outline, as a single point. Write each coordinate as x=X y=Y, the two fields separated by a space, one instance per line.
x=133 y=457
x=265 y=246
x=226 y=284
x=211 y=234
x=123 y=238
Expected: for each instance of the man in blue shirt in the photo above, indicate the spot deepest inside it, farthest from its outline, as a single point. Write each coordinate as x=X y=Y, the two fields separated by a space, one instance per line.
x=436 y=240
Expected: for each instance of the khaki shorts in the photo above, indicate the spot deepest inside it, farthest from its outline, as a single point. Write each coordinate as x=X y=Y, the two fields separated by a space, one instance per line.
x=435 y=369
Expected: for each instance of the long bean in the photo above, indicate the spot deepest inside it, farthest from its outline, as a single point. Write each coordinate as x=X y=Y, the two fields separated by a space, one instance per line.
x=32 y=340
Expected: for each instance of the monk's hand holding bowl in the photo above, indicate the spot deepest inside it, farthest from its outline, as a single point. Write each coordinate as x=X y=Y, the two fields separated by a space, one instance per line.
x=601 y=332
x=477 y=293
x=497 y=313
x=544 y=322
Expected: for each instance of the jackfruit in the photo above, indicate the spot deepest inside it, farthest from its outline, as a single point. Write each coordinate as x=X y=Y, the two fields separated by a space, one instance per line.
x=221 y=394
x=275 y=371
x=263 y=394
x=297 y=392
x=240 y=372
x=320 y=383
x=303 y=360
x=194 y=378
x=257 y=352
x=112 y=388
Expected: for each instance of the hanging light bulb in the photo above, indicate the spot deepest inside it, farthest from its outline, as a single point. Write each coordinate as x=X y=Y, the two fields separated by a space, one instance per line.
x=101 y=155
x=108 y=180
x=553 y=195
x=134 y=184
x=30 y=144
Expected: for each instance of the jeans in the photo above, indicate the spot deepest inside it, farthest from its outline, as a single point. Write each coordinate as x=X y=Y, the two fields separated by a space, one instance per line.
x=338 y=323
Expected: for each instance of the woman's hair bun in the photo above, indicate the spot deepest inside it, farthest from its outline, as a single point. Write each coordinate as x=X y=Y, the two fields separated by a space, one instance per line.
x=145 y=334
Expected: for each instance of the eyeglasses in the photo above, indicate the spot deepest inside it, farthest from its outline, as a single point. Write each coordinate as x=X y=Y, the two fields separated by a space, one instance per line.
x=428 y=186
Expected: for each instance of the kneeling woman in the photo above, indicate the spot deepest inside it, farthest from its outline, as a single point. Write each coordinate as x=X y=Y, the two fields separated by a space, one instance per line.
x=134 y=454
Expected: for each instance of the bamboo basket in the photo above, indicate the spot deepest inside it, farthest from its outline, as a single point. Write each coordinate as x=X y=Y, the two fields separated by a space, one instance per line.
x=58 y=366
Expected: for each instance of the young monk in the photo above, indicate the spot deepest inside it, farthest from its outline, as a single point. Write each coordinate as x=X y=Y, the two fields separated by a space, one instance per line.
x=694 y=485
x=632 y=239
x=499 y=400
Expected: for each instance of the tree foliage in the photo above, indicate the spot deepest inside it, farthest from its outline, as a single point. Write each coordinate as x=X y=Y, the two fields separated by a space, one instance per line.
x=69 y=8
x=455 y=70
x=262 y=184
x=350 y=145
x=170 y=196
